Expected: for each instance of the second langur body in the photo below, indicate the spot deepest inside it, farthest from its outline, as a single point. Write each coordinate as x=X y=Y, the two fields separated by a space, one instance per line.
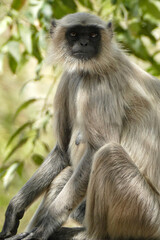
x=107 y=123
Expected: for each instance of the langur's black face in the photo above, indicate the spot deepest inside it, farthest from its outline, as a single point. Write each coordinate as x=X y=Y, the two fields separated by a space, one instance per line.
x=83 y=41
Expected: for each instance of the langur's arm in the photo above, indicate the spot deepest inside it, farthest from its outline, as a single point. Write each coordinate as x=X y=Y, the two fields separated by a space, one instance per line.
x=54 y=163
x=51 y=167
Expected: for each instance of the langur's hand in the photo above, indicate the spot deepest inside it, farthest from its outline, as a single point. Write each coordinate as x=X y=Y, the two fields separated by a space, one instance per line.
x=11 y=223
x=35 y=234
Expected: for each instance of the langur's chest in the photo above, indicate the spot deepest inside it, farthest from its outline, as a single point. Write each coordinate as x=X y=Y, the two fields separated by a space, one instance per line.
x=96 y=104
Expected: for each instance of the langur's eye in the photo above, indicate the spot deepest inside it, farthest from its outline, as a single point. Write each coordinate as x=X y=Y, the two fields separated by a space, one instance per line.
x=93 y=35
x=73 y=34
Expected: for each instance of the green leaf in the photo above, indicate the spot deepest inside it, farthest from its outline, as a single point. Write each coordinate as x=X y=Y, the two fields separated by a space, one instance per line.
x=19 y=130
x=17 y=4
x=20 y=169
x=151 y=7
x=2 y=171
x=70 y=4
x=12 y=63
x=25 y=105
x=38 y=72
x=14 y=50
x=86 y=3
x=5 y=23
x=46 y=10
x=135 y=45
x=35 y=47
x=24 y=59
x=37 y=159
x=114 y=1
x=18 y=145
x=34 y=8
x=134 y=27
x=147 y=27
x=61 y=8
x=26 y=36
x=9 y=175
x=46 y=146
x=106 y=9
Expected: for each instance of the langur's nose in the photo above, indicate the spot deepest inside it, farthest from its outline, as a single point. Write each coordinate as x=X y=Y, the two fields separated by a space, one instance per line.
x=84 y=43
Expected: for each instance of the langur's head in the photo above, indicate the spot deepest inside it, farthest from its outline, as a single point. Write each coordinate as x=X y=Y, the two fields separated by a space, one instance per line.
x=81 y=42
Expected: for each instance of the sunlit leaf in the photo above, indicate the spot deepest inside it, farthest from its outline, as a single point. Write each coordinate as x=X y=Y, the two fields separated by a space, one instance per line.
x=151 y=7
x=18 y=131
x=34 y=2
x=47 y=11
x=18 y=145
x=9 y=175
x=25 y=105
x=26 y=36
x=14 y=50
x=5 y=23
x=35 y=6
x=154 y=8
x=24 y=85
x=107 y=8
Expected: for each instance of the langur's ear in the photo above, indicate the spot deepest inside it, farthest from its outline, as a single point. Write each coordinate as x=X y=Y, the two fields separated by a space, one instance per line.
x=53 y=26
x=110 y=28
x=54 y=22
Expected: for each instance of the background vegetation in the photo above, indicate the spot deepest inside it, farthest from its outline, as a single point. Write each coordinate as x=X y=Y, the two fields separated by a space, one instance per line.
x=28 y=85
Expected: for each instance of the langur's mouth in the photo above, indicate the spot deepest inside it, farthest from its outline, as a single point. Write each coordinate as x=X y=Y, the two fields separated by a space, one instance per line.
x=81 y=55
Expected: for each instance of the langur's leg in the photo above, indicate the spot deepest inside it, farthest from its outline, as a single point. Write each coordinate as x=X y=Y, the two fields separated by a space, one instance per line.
x=67 y=200
x=74 y=233
x=53 y=190
x=79 y=213
x=64 y=233
x=120 y=202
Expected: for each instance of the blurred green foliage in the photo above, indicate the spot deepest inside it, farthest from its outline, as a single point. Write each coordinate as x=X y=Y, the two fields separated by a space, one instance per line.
x=24 y=33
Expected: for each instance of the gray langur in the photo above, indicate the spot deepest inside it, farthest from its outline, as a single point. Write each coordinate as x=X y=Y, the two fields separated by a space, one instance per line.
x=104 y=170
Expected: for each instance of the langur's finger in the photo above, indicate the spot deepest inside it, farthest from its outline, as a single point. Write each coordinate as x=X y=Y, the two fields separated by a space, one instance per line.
x=18 y=236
